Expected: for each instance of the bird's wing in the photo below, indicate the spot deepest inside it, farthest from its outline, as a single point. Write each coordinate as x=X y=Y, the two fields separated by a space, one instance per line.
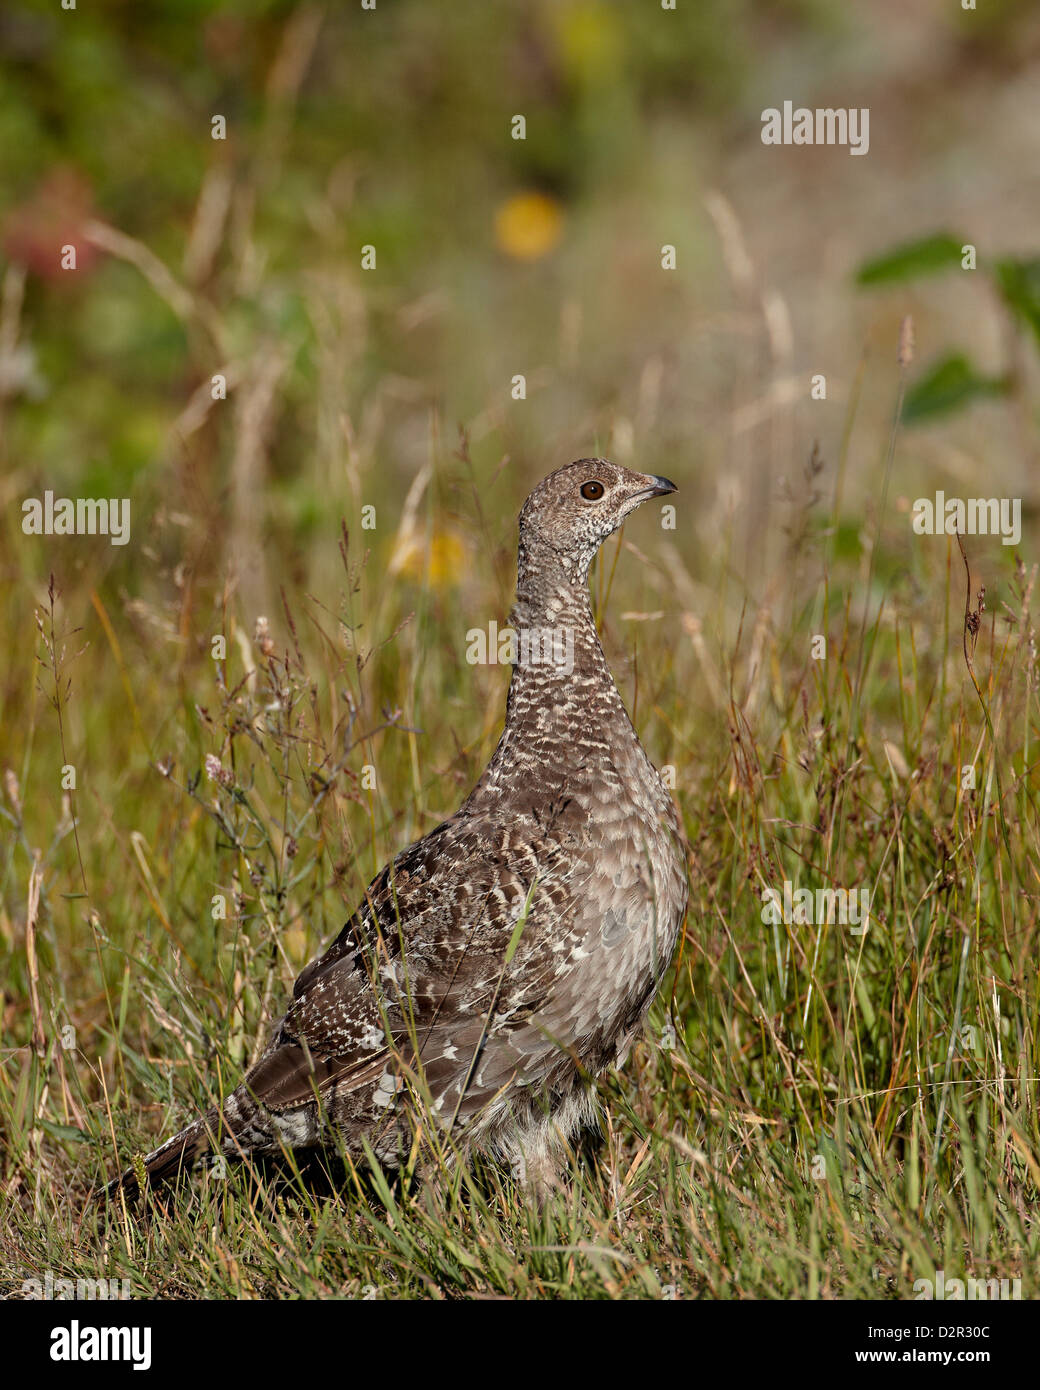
x=466 y=929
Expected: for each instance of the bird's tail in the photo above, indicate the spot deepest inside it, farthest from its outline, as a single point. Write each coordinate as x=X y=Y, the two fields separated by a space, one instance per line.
x=163 y=1164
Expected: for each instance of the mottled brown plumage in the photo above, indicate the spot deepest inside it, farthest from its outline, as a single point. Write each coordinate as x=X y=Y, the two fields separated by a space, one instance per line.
x=510 y=955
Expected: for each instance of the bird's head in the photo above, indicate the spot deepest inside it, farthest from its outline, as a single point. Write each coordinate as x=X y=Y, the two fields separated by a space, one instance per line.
x=573 y=511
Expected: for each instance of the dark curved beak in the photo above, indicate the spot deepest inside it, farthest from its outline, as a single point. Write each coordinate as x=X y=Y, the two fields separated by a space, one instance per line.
x=659 y=487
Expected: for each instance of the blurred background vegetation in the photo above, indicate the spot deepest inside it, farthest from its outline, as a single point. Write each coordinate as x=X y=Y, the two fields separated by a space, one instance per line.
x=495 y=256
x=392 y=387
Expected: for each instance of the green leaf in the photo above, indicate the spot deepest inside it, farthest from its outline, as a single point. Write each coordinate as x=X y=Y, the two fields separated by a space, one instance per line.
x=948 y=385
x=1020 y=286
x=941 y=251
x=69 y=1132
x=514 y=940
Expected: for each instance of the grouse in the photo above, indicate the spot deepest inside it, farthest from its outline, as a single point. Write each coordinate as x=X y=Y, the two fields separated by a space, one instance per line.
x=500 y=964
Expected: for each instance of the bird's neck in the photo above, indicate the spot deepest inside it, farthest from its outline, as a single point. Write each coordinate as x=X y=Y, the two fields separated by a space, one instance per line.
x=557 y=646
x=564 y=714
x=552 y=591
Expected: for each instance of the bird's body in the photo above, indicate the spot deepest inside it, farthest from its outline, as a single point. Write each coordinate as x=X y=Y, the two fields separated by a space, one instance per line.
x=500 y=962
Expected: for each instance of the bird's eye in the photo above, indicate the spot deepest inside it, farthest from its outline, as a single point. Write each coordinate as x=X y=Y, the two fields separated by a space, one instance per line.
x=593 y=491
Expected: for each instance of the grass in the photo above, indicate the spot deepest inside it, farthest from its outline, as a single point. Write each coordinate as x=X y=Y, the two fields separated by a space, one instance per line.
x=816 y=1111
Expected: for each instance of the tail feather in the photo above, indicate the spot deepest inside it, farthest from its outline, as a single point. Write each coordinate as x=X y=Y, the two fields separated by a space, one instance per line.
x=163 y=1164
